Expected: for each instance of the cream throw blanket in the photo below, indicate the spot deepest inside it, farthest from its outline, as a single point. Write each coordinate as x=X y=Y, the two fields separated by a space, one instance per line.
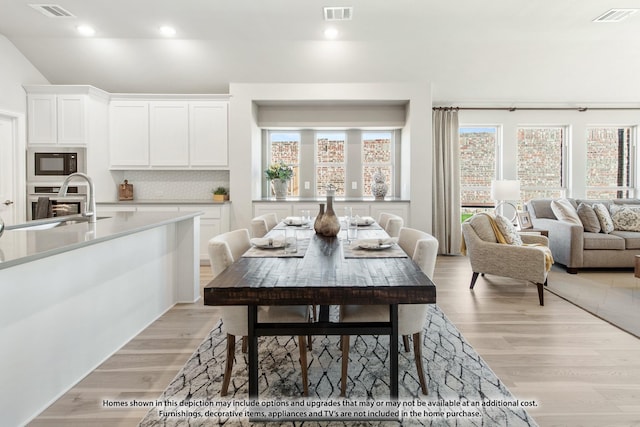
x=548 y=257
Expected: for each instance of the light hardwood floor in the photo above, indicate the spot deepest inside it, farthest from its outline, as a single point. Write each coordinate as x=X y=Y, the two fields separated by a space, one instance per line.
x=581 y=370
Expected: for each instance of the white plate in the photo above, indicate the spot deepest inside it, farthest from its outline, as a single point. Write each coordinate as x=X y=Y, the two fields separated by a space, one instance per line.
x=268 y=243
x=374 y=247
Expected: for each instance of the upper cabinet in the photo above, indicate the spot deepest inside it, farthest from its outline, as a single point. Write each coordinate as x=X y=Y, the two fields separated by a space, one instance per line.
x=60 y=115
x=171 y=133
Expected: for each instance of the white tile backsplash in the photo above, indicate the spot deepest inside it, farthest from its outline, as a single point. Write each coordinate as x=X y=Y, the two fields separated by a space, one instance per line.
x=176 y=185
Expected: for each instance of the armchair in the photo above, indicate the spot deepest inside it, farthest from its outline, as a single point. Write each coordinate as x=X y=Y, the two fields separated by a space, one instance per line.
x=487 y=256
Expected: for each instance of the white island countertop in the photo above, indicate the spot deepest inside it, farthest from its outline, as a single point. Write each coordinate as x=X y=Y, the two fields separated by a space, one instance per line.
x=18 y=246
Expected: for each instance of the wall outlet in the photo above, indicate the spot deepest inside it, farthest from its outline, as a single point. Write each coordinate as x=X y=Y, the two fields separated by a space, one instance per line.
x=354 y=185
x=307 y=185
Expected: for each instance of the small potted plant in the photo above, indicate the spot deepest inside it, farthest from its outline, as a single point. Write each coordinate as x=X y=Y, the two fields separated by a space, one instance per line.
x=220 y=194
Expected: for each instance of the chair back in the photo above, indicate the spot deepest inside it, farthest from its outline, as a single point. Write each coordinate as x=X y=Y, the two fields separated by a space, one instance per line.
x=421 y=247
x=391 y=223
x=225 y=248
x=262 y=224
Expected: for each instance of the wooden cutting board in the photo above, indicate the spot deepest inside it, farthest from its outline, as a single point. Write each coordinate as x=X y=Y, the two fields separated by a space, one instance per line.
x=125 y=191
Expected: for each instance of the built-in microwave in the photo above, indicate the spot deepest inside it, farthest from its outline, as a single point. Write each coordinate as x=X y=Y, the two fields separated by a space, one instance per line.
x=55 y=163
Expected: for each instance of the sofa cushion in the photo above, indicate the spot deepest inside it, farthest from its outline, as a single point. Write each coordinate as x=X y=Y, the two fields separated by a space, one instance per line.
x=541 y=208
x=589 y=219
x=508 y=230
x=564 y=211
x=606 y=223
x=603 y=241
x=631 y=238
x=625 y=218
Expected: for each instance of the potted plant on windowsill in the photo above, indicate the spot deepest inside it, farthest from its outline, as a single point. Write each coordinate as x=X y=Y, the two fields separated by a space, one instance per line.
x=220 y=194
x=279 y=174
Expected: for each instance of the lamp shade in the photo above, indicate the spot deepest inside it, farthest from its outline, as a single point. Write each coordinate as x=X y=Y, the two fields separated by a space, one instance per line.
x=505 y=189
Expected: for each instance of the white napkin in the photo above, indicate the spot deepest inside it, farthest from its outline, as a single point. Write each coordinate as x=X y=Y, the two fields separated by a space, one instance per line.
x=365 y=220
x=293 y=220
x=266 y=242
x=375 y=243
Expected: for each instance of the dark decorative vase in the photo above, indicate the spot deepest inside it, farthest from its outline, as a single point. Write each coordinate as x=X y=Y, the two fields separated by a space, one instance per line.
x=316 y=224
x=329 y=225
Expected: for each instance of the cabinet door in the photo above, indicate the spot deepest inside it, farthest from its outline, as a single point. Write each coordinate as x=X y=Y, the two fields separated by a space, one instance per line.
x=42 y=119
x=208 y=135
x=169 y=133
x=71 y=119
x=129 y=133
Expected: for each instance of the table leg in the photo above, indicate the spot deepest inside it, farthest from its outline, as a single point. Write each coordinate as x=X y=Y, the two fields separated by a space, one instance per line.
x=253 y=351
x=393 y=348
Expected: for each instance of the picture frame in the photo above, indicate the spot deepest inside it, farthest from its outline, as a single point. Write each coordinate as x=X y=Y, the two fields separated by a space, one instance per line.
x=524 y=220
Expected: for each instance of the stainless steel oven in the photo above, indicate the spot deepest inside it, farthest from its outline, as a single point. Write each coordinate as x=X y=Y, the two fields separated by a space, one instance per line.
x=73 y=203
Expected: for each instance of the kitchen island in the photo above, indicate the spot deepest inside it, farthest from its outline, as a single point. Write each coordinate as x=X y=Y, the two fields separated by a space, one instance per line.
x=71 y=295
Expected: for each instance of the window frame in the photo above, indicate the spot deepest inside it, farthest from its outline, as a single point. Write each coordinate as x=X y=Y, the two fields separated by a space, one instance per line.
x=391 y=164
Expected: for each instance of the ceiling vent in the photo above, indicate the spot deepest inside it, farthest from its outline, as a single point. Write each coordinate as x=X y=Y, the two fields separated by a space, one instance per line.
x=52 y=10
x=615 y=15
x=338 y=13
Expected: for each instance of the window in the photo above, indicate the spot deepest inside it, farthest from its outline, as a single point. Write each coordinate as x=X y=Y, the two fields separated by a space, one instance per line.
x=285 y=147
x=541 y=161
x=478 y=160
x=330 y=162
x=377 y=153
x=609 y=162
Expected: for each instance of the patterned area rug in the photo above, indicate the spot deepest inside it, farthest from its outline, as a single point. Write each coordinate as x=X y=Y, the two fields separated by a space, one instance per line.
x=463 y=391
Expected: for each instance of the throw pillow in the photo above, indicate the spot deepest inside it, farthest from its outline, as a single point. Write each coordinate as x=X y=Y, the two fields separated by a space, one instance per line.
x=625 y=218
x=564 y=211
x=508 y=230
x=606 y=223
x=589 y=218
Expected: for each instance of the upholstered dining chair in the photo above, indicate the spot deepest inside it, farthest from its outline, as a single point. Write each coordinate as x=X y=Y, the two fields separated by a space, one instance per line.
x=423 y=249
x=391 y=223
x=487 y=256
x=224 y=250
x=262 y=224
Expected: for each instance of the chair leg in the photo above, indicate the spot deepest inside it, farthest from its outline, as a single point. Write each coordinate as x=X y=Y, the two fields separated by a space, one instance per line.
x=244 y=344
x=473 y=279
x=540 y=293
x=417 y=354
x=405 y=341
x=546 y=282
x=231 y=350
x=303 y=364
x=344 y=340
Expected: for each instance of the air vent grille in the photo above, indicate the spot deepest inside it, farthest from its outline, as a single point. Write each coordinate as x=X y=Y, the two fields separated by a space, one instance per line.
x=338 y=13
x=615 y=15
x=52 y=10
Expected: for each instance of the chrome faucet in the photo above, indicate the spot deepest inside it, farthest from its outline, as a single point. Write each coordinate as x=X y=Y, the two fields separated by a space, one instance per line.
x=91 y=211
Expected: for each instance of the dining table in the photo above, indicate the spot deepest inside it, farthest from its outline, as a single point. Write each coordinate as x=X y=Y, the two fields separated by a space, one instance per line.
x=324 y=272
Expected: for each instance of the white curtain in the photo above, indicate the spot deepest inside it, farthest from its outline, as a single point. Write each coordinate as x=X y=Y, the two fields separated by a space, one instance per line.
x=446 y=181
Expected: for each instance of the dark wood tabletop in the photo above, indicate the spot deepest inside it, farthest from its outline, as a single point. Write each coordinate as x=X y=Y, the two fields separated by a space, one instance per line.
x=323 y=276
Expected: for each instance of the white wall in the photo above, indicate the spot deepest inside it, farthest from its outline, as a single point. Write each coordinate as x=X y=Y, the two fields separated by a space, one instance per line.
x=15 y=71
x=245 y=145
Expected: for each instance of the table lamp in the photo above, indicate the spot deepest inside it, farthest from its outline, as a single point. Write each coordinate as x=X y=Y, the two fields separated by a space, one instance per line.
x=504 y=192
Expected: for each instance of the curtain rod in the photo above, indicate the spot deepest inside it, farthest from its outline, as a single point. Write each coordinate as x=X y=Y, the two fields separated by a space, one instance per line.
x=580 y=109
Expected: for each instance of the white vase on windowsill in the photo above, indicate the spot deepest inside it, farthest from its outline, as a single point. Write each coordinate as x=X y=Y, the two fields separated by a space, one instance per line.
x=280 y=187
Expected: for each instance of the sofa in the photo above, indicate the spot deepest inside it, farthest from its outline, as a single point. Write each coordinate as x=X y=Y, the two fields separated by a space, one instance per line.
x=576 y=248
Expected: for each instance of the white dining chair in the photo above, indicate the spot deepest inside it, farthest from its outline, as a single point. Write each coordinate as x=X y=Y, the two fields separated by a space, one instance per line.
x=262 y=224
x=391 y=223
x=224 y=250
x=423 y=249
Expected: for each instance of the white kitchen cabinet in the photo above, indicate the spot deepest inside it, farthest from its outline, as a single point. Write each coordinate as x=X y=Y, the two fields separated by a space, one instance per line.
x=129 y=133
x=57 y=119
x=282 y=210
x=177 y=133
x=169 y=133
x=208 y=133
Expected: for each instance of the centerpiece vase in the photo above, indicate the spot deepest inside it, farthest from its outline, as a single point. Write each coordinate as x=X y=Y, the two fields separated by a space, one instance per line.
x=329 y=225
x=316 y=224
x=280 y=187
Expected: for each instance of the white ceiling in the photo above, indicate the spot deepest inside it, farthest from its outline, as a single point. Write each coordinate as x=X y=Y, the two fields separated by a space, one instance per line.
x=471 y=50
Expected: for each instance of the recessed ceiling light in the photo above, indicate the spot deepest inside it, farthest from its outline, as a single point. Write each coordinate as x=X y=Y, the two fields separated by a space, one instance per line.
x=167 y=31
x=85 y=30
x=331 y=33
